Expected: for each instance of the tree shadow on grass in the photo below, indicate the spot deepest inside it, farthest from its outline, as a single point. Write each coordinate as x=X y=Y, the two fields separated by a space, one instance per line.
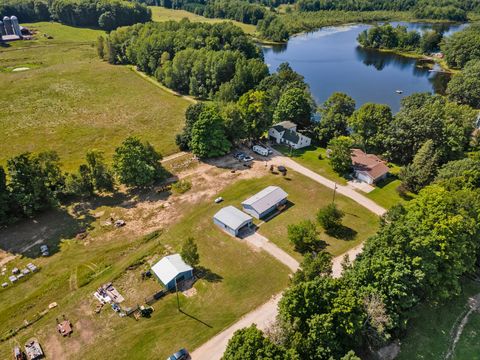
x=49 y=228
x=343 y=233
x=208 y=275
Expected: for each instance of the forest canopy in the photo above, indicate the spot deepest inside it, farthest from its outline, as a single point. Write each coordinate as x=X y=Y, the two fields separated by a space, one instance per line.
x=106 y=14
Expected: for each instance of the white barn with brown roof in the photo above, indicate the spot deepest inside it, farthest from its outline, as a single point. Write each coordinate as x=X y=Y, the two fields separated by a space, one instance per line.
x=368 y=168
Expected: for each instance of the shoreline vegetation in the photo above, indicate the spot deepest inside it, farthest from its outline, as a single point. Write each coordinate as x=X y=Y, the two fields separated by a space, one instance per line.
x=414 y=55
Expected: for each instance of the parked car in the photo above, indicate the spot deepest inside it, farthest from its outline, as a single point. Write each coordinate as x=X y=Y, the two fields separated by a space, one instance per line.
x=218 y=200
x=181 y=354
x=260 y=150
x=44 y=250
x=240 y=155
x=247 y=158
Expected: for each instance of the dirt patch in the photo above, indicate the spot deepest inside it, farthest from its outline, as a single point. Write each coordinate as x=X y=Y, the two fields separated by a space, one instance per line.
x=5 y=258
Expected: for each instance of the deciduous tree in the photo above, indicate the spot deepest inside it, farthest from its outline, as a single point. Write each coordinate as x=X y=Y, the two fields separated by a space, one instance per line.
x=341 y=154
x=137 y=163
x=464 y=88
x=334 y=117
x=189 y=252
x=208 y=135
x=305 y=237
x=330 y=218
x=295 y=105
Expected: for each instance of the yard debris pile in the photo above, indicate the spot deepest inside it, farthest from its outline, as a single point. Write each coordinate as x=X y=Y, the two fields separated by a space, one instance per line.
x=34 y=350
x=116 y=223
x=64 y=327
x=107 y=294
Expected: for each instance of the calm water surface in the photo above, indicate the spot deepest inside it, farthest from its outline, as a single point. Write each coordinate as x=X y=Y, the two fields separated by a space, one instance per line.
x=331 y=60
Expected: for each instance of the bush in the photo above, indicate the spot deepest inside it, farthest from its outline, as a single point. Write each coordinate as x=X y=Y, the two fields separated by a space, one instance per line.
x=182 y=186
x=330 y=218
x=305 y=237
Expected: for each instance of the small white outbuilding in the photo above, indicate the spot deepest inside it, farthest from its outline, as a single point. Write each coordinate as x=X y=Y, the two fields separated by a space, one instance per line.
x=171 y=270
x=232 y=220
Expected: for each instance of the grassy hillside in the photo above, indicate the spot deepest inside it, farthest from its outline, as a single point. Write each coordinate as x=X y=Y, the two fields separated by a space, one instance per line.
x=162 y=14
x=238 y=278
x=70 y=101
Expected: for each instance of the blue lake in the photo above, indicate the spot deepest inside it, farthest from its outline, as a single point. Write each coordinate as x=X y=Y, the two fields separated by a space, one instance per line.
x=331 y=60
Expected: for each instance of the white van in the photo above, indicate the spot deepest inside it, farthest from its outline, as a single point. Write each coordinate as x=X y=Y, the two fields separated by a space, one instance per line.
x=260 y=150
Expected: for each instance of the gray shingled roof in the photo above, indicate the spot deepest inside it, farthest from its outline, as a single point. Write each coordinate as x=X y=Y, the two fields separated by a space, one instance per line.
x=291 y=136
x=266 y=198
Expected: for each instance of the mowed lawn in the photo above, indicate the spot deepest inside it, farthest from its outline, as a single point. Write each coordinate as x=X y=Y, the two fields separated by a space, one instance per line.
x=315 y=158
x=239 y=279
x=70 y=101
x=163 y=14
x=306 y=197
x=431 y=331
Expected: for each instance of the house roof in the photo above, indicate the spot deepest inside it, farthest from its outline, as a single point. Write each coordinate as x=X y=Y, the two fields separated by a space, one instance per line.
x=287 y=124
x=291 y=136
x=170 y=267
x=369 y=163
x=265 y=199
x=232 y=217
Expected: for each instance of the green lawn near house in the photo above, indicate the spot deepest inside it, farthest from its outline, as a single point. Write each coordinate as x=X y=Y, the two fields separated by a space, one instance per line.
x=163 y=14
x=431 y=331
x=385 y=193
x=306 y=197
x=70 y=101
x=314 y=158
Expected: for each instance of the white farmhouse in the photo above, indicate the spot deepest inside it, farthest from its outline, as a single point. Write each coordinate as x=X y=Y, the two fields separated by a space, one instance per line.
x=285 y=133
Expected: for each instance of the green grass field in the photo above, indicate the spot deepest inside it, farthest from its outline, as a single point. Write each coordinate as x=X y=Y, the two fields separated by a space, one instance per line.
x=163 y=14
x=431 y=331
x=70 y=101
x=306 y=197
x=315 y=159
x=239 y=280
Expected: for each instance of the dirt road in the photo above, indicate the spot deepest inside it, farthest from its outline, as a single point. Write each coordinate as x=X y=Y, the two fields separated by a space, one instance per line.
x=262 y=242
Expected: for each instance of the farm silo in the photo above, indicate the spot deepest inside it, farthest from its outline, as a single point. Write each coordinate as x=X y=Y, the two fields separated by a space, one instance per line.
x=15 y=26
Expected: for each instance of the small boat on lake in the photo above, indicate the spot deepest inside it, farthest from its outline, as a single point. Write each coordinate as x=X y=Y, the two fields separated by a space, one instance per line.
x=399 y=91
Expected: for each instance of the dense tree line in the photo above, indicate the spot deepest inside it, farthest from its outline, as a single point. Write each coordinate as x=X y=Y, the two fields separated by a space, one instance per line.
x=26 y=10
x=426 y=133
x=455 y=10
x=106 y=14
x=211 y=129
x=248 y=12
x=420 y=254
x=35 y=182
x=389 y=37
x=193 y=58
x=464 y=88
x=421 y=117
x=462 y=46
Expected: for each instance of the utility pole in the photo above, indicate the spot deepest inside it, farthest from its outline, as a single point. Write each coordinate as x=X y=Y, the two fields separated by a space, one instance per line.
x=176 y=290
x=334 y=191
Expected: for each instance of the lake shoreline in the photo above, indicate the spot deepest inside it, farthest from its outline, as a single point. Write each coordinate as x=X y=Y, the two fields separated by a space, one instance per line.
x=331 y=60
x=413 y=55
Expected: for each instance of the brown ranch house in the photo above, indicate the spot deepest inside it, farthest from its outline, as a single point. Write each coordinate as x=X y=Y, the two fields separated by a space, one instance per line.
x=368 y=168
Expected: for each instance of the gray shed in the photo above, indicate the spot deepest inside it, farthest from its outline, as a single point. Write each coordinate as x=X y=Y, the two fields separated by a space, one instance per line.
x=265 y=202
x=232 y=220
